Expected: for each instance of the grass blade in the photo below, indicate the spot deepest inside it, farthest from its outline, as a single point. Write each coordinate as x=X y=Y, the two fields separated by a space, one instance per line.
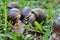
x=38 y=26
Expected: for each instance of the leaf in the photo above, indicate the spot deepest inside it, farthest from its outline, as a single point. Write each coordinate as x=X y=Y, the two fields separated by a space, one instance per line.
x=26 y=27
x=21 y=37
x=28 y=37
x=1 y=38
x=9 y=35
x=1 y=34
x=47 y=34
x=6 y=35
x=38 y=26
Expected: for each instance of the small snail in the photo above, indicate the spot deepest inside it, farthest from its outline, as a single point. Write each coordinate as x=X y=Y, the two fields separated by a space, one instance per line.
x=13 y=5
x=39 y=13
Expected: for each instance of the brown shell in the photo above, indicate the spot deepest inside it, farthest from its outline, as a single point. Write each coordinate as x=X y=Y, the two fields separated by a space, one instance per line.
x=39 y=13
x=14 y=14
x=25 y=11
x=13 y=5
x=56 y=28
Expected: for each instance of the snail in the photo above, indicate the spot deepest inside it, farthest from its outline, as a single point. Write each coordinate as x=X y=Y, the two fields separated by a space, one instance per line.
x=56 y=26
x=39 y=14
x=56 y=30
x=15 y=15
x=12 y=5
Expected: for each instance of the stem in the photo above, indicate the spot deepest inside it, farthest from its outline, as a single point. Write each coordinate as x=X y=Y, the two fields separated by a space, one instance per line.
x=5 y=15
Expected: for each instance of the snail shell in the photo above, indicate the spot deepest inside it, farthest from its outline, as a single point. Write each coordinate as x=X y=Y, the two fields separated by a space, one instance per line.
x=56 y=26
x=13 y=5
x=14 y=14
x=39 y=13
x=25 y=11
